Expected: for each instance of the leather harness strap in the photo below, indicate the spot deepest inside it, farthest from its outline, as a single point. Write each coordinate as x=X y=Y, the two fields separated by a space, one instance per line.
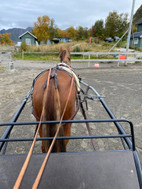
x=25 y=165
x=38 y=178
x=54 y=75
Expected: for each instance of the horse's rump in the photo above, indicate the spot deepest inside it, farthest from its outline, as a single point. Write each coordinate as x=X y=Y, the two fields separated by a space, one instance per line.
x=52 y=103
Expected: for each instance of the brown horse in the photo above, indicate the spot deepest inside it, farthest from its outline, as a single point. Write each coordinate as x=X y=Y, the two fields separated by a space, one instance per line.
x=52 y=102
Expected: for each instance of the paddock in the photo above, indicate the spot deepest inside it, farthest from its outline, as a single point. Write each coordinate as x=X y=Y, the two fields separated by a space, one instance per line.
x=121 y=88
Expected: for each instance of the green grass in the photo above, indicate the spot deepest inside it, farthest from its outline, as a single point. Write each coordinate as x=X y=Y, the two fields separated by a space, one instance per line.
x=41 y=56
x=55 y=57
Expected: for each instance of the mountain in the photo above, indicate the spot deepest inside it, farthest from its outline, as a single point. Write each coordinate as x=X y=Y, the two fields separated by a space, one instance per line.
x=15 y=33
x=138 y=15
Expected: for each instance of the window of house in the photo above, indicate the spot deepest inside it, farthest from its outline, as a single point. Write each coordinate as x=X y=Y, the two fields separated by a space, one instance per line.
x=136 y=41
x=28 y=41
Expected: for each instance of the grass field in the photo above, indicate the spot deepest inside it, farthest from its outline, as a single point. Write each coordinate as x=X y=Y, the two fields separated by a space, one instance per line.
x=51 y=52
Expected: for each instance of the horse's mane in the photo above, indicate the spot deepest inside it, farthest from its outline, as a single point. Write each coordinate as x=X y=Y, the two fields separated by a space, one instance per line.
x=65 y=55
x=62 y=54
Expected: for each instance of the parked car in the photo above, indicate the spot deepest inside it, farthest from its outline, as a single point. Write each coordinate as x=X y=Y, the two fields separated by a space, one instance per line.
x=108 y=39
x=116 y=38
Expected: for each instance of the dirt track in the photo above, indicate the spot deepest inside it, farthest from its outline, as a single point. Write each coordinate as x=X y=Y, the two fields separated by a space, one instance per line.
x=121 y=86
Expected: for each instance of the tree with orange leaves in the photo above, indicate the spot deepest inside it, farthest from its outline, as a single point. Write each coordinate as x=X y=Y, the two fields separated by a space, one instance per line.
x=5 y=39
x=72 y=32
x=41 y=29
x=62 y=33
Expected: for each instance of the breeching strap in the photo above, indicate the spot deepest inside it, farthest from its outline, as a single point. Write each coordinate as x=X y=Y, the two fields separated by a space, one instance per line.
x=38 y=178
x=25 y=165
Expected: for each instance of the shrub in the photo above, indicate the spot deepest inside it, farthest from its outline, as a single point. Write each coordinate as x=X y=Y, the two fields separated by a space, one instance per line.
x=24 y=47
x=77 y=49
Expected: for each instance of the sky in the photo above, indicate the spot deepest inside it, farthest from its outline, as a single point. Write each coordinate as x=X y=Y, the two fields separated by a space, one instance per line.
x=66 y=13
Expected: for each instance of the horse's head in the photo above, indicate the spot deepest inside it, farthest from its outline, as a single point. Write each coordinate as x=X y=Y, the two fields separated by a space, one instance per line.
x=65 y=56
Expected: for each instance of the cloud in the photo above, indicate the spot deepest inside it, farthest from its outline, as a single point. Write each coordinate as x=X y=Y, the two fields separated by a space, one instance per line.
x=65 y=13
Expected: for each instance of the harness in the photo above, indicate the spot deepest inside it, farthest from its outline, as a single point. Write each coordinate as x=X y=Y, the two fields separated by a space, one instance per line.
x=53 y=75
x=25 y=165
x=79 y=102
x=61 y=66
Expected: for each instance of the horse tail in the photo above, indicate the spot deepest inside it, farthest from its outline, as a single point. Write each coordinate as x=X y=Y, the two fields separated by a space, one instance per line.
x=52 y=111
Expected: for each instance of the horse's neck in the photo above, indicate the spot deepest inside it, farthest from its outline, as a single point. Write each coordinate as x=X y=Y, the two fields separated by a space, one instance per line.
x=68 y=63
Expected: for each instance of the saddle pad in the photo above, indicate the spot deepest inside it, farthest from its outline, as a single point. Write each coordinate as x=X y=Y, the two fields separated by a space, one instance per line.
x=71 y=72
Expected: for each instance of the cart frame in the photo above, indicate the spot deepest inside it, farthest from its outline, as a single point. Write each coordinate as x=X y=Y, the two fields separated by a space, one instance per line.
x=128 y=140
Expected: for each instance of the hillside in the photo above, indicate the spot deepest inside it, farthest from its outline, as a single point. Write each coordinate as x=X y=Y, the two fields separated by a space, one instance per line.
x=15 y=32
x=137 y=15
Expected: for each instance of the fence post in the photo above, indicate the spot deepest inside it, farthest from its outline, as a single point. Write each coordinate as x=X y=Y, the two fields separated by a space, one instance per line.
x=89 y=60
x=22 y=55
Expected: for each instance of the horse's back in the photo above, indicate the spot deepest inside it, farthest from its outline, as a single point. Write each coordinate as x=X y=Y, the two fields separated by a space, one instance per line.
x=63 y=85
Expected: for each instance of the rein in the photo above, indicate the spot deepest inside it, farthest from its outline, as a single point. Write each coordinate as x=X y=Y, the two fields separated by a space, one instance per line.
x=26 y=163
x=38 y=178
x=85 y=116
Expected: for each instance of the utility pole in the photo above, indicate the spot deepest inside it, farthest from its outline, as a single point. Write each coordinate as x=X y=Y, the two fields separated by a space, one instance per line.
x=130 y=27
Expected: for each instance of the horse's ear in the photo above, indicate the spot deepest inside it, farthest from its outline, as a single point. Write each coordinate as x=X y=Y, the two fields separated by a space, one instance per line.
x=61 y=49
x=68 y=48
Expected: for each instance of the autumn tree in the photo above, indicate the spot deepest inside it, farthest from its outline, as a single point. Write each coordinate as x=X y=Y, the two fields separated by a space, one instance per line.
x=5 y=39
x=72 y=32
x=52 y=29
x=116 y=24
x=82 y=33
x=62 y=33
x=98 y=29
x=41 y=29
x=137 y=15
x=86 y=33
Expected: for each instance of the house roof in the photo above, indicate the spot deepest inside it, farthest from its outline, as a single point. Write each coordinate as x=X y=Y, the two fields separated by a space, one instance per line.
x=28 y=33
x=139 y=22
x=137 y=35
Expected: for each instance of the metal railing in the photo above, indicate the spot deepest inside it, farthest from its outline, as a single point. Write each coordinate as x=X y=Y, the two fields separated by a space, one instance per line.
x=125 y=138
x=92 y=57
x=130 y=57
x=122 y=134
